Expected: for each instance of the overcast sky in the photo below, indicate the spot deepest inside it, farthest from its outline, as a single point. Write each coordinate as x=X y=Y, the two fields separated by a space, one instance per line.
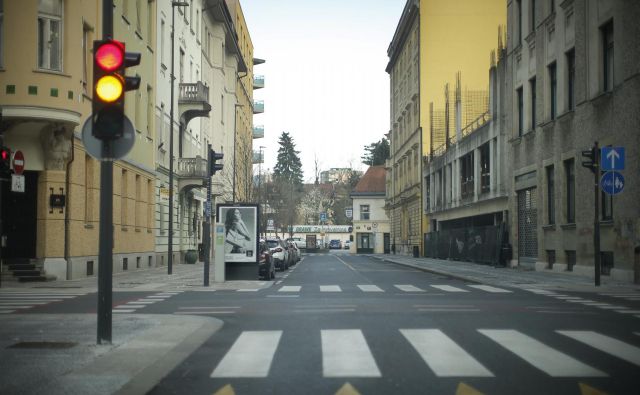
x=325 y=82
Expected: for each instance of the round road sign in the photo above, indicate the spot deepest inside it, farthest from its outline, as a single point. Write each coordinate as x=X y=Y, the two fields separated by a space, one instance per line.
x=18 y=162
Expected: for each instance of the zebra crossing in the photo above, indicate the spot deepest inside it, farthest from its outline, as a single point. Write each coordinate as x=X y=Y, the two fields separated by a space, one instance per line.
x=407 y=288
x=346 y=353
x=17 y=301
x=135 y=305
x=593 y=303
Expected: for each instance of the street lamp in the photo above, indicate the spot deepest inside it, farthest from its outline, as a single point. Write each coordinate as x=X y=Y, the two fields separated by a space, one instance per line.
x=235 y=135
x=174 y=4
x=259 y=183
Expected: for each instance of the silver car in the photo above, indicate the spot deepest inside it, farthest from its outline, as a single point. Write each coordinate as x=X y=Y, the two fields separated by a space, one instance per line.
x=279 y=252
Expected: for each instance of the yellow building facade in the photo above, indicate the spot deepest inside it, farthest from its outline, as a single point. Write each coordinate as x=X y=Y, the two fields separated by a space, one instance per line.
x=45 y=97
x=434 y=40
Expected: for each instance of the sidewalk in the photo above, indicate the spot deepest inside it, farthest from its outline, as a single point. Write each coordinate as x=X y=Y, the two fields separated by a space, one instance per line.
x=58 y=354
x=512 y=277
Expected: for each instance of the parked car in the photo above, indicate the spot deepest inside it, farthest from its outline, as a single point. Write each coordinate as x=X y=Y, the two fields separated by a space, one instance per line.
x=347 y=244
x=335 y=245
x=266 y=267
x=300 y=242
x=279 y=252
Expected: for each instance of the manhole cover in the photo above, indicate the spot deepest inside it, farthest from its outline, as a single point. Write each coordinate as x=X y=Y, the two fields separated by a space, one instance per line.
x=39 y=345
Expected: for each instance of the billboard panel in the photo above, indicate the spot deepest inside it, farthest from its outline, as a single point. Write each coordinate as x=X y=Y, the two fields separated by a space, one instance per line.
x=241 y=231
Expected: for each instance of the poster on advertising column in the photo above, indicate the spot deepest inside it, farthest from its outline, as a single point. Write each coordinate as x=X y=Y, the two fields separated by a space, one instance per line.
x=241 y=231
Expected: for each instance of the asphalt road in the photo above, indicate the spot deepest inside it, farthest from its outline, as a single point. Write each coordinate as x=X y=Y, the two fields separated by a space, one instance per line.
x=339 y=323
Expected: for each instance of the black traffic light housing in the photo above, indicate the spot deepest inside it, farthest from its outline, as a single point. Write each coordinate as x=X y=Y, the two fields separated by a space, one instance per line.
x=593 y=162
x=110 y=61
x=213 y=166
x=5 y=162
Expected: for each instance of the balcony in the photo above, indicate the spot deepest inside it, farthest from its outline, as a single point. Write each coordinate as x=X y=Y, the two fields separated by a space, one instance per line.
x=258 y=157
x=191 y=172
x=258 y=106
x=195 y=92
x=258 y=131
x=258 y=81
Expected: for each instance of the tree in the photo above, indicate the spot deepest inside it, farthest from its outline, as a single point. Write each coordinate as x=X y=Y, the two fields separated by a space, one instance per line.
x=287 y=177
x=376 y=153
x=312 y=203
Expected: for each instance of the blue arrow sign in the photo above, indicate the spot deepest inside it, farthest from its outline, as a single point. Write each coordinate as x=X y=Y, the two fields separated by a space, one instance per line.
x=612 y=183
x=323 y=216
x=612 y=158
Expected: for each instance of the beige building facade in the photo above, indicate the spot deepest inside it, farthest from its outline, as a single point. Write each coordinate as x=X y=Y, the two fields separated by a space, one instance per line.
x=46 y=97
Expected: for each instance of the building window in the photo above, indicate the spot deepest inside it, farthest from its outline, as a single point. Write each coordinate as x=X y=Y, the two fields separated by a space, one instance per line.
x=466 y=176
x=150 y=23
x=553 y=90
x=551 y=258
x=571 y=259
x=150 y=204
x=88 y=188
x=1 y=33
x=532 y=9
x=149 y=110
x=485 y=168
x=138 y=191
x=364 y=212
x=519 y=17
x=607 y=56
x=427 y=194
x=181 y=65
x=123 y=199
x=571 y=80
x=50 y=35
x=606 y=262
x=138 y=16
x=552 y=6
x=520 y=111
x=532 y=86
x=569 y=170
x=551 y=196
x=162 y=29
x=87 y=57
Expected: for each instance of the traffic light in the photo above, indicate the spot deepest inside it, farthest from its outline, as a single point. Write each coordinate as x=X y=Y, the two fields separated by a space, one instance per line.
x=213 y=166
x=592 y=155
x=5 y=162
x=110 y=61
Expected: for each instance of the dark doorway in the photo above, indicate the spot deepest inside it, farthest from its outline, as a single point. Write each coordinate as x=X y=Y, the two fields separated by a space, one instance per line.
x=387 y=243
x=19 y=214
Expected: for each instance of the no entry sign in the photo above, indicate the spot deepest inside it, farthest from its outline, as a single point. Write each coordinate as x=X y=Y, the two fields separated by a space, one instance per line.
x=18 y=162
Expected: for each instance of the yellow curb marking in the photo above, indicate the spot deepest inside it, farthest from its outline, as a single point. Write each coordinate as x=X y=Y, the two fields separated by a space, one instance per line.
x=347 y=389
x=588 y=390
x=226 y=390
x=464 y=389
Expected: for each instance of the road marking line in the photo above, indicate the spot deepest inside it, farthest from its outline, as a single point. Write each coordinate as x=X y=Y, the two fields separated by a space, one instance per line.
x=250 y=356
x=330 y=288
x=629 y=311
x=290 y=288
x=448 y=288
x=142 y=301
x=489 y=288
x=7 y=303
x=35 y=297
x=282 y=296
x=606 y=344
x=370 y=288
x=134 y=305
x=209 y=307
x=345 y=353
x=116 y=310
x=6 y=311
x=409 y=288
x=202 y=312
x=541 y=356
x=328 y=310
x=443 y=356
x=248 y=290
x=441 y=310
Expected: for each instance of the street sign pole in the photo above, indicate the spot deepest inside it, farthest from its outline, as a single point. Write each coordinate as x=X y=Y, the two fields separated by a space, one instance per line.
x=596 y=220
x=105 y=250
x=206 y=233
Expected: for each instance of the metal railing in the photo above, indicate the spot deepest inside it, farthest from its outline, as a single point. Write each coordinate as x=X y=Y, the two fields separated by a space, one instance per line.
x=480 y=121
x=193 y=92
x=192 y=167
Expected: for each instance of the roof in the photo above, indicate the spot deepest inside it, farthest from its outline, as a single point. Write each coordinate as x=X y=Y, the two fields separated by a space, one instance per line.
x=373 y=182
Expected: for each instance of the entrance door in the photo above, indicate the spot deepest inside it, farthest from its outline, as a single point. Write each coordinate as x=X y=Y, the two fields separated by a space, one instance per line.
x=387 y=243
x=19 y=212
x=527 y=225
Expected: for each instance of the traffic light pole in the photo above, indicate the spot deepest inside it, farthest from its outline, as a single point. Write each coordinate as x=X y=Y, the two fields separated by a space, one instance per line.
x=206 y=233
x=105 y=253
x=596 y=220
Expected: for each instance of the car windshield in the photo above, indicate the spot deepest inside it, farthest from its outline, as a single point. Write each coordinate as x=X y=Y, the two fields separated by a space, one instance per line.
x=273 y=243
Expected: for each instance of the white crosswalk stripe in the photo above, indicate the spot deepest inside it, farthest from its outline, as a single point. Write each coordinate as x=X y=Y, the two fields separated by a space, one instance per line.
x=448 y=288
x=606 y=344
x=345 y=353
x=290 y=288
x=250 y=356
x=541 y=356
x=489 y=288
x=443 y=355
x=408 y=288
x=370 y=288
x=330 y=288
x=14 y=301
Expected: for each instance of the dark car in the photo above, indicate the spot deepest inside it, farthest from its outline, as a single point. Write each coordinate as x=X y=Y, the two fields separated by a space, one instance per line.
x=335 y=245
x=266 y=268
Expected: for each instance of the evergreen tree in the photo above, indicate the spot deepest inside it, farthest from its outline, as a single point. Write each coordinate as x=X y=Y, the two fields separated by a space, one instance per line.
x=376 y=153
x=288 y=168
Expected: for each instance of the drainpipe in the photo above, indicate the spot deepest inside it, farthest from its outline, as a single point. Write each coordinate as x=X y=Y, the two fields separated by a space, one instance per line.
x=66 y=209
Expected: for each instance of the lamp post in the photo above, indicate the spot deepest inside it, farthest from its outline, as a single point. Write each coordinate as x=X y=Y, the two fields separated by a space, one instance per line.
x=174 y=4
x=235 y=136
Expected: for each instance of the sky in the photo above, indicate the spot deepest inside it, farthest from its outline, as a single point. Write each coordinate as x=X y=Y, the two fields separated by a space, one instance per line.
x=325 y=82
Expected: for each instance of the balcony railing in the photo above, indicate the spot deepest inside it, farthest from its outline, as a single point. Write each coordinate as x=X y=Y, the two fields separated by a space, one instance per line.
x=258 y=157
x=258 y=131
x=258 y=106
x=258 y=81
x=196 y=92
x=192 y=167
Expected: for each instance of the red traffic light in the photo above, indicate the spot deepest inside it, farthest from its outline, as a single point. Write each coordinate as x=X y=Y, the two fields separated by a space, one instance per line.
x=110 y=55
x=5 y=154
